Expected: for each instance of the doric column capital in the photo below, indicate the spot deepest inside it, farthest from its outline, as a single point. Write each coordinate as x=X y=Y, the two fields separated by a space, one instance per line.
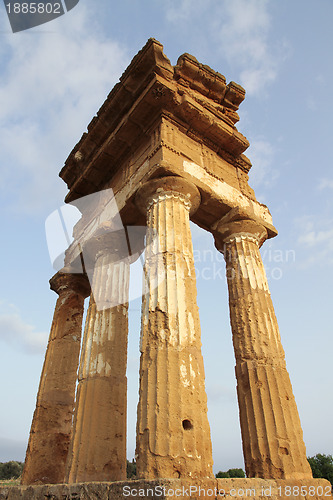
x=168 y=187
x=226 y=232
x=67 y=280
x=106 y=241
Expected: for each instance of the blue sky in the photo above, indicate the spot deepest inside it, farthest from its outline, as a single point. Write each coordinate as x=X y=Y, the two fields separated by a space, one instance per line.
x=53 y=80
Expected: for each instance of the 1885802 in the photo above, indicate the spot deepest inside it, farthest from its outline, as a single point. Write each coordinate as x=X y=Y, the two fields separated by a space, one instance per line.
x=305 y=491
x=34 y=8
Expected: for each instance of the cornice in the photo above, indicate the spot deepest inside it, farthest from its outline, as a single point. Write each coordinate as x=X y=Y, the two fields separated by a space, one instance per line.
x=193 y=94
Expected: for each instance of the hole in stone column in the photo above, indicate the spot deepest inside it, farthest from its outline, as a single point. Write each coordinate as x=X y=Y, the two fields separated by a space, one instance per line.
x=187 y=425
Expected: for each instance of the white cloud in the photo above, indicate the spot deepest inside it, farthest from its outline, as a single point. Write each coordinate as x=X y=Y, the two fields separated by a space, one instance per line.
x=16 y=332
x=263 y=174
x=177 y=11
x=244 y=36
x=52 y=84
x=240 y=32
x=325 y=184
x=316 y=235
x=311 y=104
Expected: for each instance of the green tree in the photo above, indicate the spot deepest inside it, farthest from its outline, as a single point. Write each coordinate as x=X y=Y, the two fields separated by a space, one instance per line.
x=236 y=473
x=222 y=474
x=231 y=473
x=322 y=466
x=131 y=469
x=10 y=470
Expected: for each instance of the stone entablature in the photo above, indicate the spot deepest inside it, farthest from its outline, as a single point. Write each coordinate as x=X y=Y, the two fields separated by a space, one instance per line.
x=190 y=93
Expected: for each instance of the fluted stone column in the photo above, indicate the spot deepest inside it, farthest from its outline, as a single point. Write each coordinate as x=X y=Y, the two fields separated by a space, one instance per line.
x=173 y=434
x=271 y=430
x=98 y=449
x=52 y=422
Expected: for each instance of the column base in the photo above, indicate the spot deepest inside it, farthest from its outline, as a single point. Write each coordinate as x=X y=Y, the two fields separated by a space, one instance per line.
x=178 y=489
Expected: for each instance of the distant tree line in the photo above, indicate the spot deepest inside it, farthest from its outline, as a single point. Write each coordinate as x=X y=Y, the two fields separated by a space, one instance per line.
x=13 y=470
x=231 y=473
x=10 y=470
x=321 y=465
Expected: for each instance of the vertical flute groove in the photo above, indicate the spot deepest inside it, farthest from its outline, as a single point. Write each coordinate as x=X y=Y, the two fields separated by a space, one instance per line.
x=272 y=436
x=173 y=435
x=98 y=448
x=52 y=422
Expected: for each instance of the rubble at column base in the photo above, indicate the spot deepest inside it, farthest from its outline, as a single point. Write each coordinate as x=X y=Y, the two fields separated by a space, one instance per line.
x=203 y=489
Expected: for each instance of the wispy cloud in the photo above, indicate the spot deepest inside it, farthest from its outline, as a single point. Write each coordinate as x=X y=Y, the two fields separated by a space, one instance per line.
x=240 y=31
x=180 y=11
x=16 y=332
x=244 y=34
x=316 y=235
x=263 y=174
x=311 y=104
x=52 y=84
x=325 y=184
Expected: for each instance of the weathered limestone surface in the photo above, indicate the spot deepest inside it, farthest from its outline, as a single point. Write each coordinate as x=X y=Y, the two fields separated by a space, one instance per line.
x=98 y=449
x=272 y=435
x=51 y=426
x=165 y=143
x=166 y=120
x=173 y=435
x=204 y=489
x=194 y=94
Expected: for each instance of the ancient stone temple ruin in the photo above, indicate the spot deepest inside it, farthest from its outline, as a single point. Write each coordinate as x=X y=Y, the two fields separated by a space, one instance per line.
x=165 y=142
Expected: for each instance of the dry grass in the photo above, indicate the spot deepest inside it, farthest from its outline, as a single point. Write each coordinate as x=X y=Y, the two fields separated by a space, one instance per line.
x=10 y=482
